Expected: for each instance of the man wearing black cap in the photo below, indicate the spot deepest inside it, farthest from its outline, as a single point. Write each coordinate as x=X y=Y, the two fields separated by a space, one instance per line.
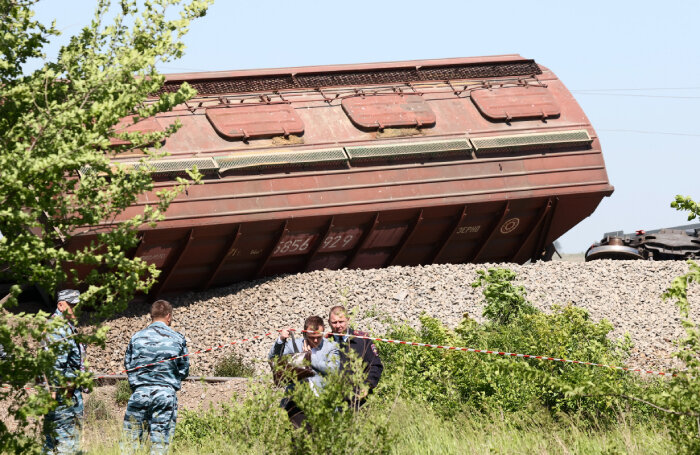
x=62 y=425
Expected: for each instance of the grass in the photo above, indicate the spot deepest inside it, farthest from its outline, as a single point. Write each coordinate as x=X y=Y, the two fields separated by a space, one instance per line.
x=421 y=431
x=417 y=429
x=233 y=366
x=96 y=409
x=122 y=392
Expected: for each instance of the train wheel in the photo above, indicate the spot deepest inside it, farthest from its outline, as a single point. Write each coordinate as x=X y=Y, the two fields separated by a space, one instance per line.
x=548 y=253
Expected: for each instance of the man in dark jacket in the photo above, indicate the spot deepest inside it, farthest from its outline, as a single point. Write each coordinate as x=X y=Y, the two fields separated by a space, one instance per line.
x=364 y=348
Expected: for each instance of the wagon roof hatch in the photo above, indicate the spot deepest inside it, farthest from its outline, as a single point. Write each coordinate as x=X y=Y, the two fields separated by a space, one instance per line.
x=254 y=121
x=513 y=103
x=388 y=111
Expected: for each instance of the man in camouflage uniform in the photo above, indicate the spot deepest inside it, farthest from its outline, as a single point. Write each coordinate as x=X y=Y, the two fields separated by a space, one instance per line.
x=153 y=403
x=62 y=426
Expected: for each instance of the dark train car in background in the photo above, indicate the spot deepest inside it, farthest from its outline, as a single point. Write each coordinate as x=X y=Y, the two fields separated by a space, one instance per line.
x=486 y=159
x=667 y=244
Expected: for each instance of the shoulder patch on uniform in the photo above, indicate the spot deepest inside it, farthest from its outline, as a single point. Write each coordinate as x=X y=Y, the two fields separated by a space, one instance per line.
x=374 y=349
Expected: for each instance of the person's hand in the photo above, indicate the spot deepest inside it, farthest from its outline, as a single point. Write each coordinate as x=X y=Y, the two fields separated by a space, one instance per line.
x=306 y=347
x=362 y=393
x=284 y=334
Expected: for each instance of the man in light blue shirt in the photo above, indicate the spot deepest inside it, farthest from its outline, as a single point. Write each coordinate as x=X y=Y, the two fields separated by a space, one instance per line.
x=322 y=354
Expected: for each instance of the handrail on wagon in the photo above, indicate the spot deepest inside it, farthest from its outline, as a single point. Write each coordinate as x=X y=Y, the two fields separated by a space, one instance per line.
x=520 y=141
x=285 y=158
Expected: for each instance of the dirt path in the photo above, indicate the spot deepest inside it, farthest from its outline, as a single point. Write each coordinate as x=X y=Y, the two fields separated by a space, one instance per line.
x=193 y=396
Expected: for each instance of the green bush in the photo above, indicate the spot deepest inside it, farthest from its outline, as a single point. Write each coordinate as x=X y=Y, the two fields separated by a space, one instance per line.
x=504 y=301
x=451 y=380
x=259 y=425
x=122 y=392
x=680 y=399
x=335 y=426
x=233 y=366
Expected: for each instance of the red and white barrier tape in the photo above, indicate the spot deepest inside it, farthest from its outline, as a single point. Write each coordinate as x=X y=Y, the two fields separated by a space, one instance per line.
x=200 y=351
x=501 y=353
x=407 y=343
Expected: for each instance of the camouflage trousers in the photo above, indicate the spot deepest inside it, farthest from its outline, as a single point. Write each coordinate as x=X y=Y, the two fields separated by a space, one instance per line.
x=152 y=409
x=63 y=425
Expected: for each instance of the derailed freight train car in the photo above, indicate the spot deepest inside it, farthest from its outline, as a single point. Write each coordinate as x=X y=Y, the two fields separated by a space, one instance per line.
x=485 y=159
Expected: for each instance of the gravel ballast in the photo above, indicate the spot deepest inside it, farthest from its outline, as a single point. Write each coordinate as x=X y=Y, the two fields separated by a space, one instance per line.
x=626 y=293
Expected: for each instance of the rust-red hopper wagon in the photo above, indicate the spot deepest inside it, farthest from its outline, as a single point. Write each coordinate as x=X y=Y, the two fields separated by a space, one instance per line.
x=485 y=159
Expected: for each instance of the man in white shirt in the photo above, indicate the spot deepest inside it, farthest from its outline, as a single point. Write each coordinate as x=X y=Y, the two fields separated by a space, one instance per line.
x=321 y=354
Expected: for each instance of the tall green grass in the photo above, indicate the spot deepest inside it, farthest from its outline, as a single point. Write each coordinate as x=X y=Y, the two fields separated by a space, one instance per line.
x=415 y=429
x=420 y=430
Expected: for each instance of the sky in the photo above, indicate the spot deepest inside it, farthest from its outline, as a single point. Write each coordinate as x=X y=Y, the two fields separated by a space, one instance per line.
x=633 y=66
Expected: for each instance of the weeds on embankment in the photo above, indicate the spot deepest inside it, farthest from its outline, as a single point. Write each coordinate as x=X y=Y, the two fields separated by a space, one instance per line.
x=446 y=401
x=417 y=428
x=441 y=401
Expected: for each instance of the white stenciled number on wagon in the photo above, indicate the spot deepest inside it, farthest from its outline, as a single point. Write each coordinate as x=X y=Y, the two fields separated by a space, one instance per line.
x=293 y=244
